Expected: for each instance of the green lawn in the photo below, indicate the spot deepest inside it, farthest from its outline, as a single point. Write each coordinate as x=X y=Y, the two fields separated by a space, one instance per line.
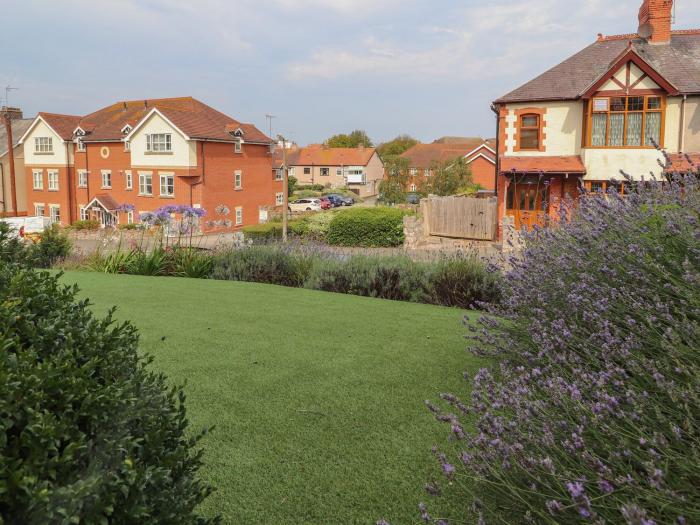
x=316 y=398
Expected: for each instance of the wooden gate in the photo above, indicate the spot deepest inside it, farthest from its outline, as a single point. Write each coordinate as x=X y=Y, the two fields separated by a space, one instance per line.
x=461 y=217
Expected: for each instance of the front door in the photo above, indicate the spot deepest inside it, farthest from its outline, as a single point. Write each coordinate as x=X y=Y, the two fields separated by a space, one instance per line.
x=527 y=203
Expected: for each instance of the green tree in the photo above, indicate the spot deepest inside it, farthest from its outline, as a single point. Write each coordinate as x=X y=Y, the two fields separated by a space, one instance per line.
x=291 y=185
x=353 y=140
x=396 y=146
x=450 y=178
x=392 y=189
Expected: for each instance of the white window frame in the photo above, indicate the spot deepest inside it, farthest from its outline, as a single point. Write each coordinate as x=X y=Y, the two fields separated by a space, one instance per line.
x=55 y=213
x=128 y=180
x=127 y=145
x=79 y=145
x=43 y=145
x=238 y=147
x=84 y=214
x=279 y=174
x=106 y=177
x=38 y=176
x=82 y=178
x=279 y=199
x=52 y=177
x=238 y=180
x=142 y=183
x=239 y=215
x=413 y=188
x=159 y=143
x=38 y=207
x=130 y=217
x=168 y=185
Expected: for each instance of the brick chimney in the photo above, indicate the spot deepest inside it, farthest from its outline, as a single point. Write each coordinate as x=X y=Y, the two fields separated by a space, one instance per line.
x=13 y=113
x=655 y=21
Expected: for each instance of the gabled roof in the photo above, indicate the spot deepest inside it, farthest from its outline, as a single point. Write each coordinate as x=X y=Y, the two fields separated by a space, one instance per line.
x=63 y=125
x=424 y=156
x=322 y=156
x=677 y=61
x=106 y=201
x=19 y=128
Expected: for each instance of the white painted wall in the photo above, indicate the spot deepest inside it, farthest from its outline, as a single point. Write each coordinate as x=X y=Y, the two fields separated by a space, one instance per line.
x=184 y=152
x=57 y=158
x=605 y=164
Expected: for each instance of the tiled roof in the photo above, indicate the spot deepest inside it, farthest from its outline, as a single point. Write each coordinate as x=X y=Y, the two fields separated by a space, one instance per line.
x=192 y=117
x=19 y=128
x=424 y=156
x=678 y=62
x=64 y=125
x=322 y=156
x=684 y=163
x=537 y=164
x=107 y=201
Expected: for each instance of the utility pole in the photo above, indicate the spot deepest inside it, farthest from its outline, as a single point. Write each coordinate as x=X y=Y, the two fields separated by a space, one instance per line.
x=10 y=151
x=285 y=186
x=269 y=119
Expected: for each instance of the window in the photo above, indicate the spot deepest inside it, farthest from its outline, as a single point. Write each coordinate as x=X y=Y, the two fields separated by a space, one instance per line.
x=159 y=142
x=325 y=172
x=167 y=185
x=80 y=145
x=145 y=184
x=626 y=122
x=413 y=187
x=43 y=145
x=426 y=172
x=239 y=216
x=130 y=217
x=38 y=179
x=279 y=199
x=338 y=172
x=279 y=174
x=83 y=213
x=55 y=213
x=237 y=147
x=127 y=145
x=413 y=172
x=82 y=178
x=106 y=179
x=604 y=186
x=238 y=180
x=128 y=180
x=529 y=132
x=307 y=171
x=53 y=180
x=39 y=210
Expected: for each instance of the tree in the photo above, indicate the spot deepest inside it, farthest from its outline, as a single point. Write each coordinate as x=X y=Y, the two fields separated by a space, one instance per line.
x=450 y=178
x=396 y=146
x=355 y=139
x=392 y=189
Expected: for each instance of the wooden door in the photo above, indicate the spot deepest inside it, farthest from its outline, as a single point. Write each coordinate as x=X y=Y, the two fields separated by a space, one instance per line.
x=527 y=203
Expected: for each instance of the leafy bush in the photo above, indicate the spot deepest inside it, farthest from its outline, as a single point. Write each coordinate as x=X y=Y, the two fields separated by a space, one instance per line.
x=306 y=194
x=12 y=249
x=88 y=224
x=594 y=413
x=367 y=227
x=263 y=232
x=90 y=434
x=312 y=187
x=396 y=278
x=53 y=245
x=127 y=227
x=262 y=264
x=462 y=282
x=314 y=226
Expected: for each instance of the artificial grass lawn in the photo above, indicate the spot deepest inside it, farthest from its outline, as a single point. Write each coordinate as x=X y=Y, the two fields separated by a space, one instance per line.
x=316 y=398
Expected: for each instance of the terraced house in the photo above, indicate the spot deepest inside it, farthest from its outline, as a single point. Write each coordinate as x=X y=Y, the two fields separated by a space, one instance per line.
x=136 y=156
x=605 y=109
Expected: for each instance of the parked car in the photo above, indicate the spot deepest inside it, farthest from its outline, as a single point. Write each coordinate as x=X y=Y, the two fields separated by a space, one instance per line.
x=340 y=200
x=326 y=203
x=305 y=205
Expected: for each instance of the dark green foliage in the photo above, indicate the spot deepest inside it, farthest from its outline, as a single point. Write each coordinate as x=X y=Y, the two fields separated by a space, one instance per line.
x=89 y=224
x=356 y=138
x=396 y=146
x=89 y=434
x=291 y=185
x=258 y=233
x=462 y=282
x=53 y=245
x=262 y=264
x=369 y=227
x=12 y=249
x=392 y=189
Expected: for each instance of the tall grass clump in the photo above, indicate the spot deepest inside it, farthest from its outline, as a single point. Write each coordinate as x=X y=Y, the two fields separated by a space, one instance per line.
x=262 y=264
x=593 y=414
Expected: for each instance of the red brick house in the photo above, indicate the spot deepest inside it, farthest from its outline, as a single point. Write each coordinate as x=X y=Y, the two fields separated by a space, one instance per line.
x=137 y=156
x=479 y=154
x=603 y=110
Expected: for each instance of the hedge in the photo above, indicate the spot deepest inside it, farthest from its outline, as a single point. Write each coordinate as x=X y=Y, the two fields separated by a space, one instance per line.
x=367 y=227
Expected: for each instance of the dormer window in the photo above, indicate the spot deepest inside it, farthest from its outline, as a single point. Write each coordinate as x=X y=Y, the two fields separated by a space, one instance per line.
x=126 y=129
x=530 y=125
x=79 y=132
x=626 y=122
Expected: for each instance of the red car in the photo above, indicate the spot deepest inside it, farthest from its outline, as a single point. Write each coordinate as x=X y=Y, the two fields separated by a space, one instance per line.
x=326 y=204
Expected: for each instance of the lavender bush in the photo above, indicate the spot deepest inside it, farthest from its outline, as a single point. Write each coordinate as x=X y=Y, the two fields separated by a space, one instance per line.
x=592 y=414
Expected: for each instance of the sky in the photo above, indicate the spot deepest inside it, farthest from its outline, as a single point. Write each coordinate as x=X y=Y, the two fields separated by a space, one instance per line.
x=428 y=68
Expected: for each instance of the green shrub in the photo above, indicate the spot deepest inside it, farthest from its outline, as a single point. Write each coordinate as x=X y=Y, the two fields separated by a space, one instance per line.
x=305 y=194
x=312 y=187
x=260 y=233
x=53 y=245
x=12 y=249
x=88 y=224
x=370 y=227
x=155 y=262
x=190 y=262
x=462 y=282
x=89 y=433
x=396 y=278
x=314 y=226
x=262 y=264
x=132 y=226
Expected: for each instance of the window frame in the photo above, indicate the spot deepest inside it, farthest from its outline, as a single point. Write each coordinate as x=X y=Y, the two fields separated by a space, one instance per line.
x=55 y=217
x=108 y=179
x=36 y=210
x=279 y=198
x=169 y=184
x=326 y=170
x=52 y=178
x=79 y=145
x=163 y=144
x=238 y=147
x=43 y=145
x=238 y=180
x=128 y=180
x=82 y=178
x=239 y=215
x=83 y=213
x=661 y=110
x=40 y=174
x=307 y=171
x=142 y=185
x=522 y=127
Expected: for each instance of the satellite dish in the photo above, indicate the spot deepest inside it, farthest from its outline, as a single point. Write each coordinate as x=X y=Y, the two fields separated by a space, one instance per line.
x=644 y=30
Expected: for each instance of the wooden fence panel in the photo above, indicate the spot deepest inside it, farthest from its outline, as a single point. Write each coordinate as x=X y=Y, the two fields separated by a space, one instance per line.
x=461 y=217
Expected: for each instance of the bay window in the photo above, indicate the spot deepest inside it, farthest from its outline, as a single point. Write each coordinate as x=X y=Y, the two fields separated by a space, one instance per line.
x=626 y=122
